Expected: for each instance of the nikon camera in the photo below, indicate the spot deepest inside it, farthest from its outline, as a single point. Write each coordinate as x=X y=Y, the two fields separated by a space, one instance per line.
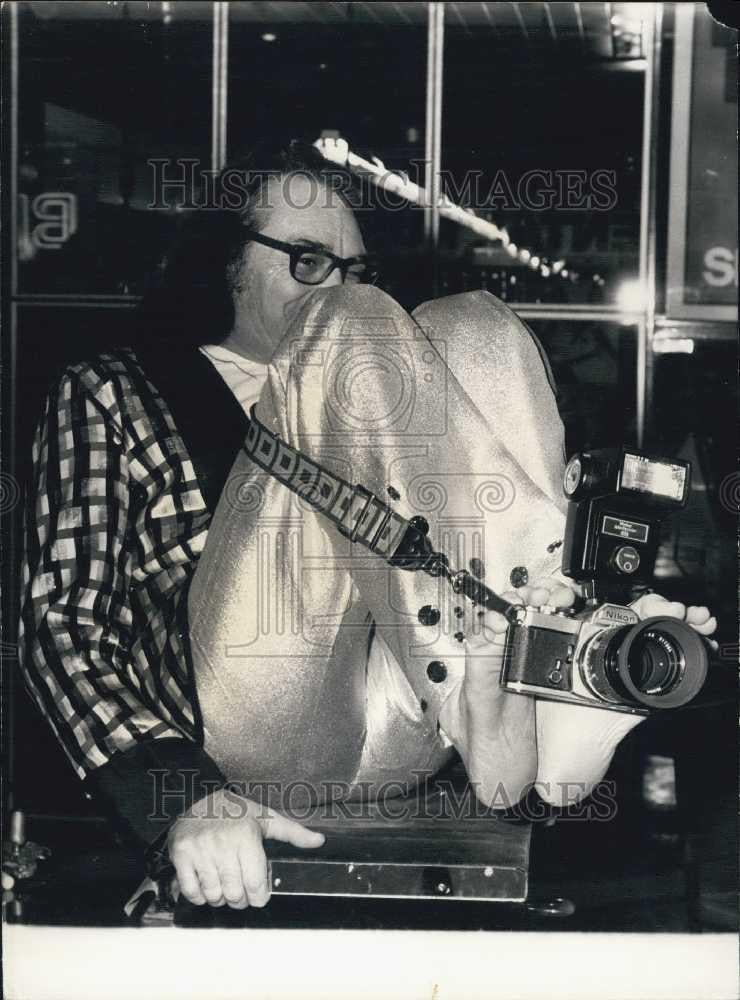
x=605 y=656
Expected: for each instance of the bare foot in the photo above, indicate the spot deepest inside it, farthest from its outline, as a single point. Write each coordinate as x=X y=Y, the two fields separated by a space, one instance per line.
x=492 y=729
x=575 y=746
x=576 y=743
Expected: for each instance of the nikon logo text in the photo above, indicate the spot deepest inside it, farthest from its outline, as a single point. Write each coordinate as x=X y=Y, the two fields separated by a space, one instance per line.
x=612 y=614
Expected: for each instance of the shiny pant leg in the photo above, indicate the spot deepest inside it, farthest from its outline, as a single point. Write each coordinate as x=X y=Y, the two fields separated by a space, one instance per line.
x=453 y=411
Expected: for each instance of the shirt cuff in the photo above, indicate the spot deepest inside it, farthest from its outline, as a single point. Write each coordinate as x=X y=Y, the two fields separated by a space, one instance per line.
x=149 y=786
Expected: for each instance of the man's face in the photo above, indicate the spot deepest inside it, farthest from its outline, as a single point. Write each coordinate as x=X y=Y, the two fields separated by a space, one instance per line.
x=299 y=210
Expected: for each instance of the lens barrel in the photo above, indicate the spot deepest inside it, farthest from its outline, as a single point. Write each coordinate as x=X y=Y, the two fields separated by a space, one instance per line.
x=657 y=663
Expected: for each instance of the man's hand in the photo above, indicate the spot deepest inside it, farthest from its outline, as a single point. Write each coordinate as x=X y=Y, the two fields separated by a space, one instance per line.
x=216 y=848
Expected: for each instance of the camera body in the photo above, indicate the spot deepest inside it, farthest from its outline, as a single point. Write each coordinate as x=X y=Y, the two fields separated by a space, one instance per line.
x=545 y=650
x=605 y=656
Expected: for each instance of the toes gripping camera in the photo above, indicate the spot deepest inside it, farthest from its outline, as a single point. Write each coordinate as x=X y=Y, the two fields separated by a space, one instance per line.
x=605 y=656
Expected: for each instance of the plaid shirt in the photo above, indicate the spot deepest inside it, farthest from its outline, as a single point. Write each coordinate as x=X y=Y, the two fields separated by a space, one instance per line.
x=114 y=524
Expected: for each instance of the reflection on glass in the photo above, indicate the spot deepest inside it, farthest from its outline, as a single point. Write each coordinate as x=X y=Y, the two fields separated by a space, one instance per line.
x=710 y=275
x=593 y=365
x=542 y=134
x=103 y=88
x=353 y=70
x=694 y=418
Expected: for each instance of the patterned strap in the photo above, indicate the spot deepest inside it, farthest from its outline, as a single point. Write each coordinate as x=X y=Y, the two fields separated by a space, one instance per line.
x=360 y=516
x=356 y=512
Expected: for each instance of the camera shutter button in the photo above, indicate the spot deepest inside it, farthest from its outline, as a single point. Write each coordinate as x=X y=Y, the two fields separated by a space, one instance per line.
x=625 y=559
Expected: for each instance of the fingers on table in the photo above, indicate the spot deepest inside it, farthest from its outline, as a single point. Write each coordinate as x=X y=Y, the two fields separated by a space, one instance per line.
x=233 y=886
x=253 y=871
x=210 y=881
x=219 y=880
x=279 y=827
x=233 y=871
x=187 y=877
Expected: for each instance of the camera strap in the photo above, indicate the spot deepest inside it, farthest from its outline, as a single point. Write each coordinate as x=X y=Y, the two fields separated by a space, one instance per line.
x=353 y=510
x=361 y=517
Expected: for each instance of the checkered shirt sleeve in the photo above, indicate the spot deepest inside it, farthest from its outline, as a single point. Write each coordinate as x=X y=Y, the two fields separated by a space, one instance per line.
x=114 y=524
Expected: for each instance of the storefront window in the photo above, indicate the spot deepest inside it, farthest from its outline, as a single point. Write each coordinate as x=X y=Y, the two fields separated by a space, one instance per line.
x=542 y=133
x=593 y=365
x=695 y=416
x=103 y=89
x=357 y=71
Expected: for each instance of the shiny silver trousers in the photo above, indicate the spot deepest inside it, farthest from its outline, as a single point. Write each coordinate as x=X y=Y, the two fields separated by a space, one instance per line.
x=448 y=414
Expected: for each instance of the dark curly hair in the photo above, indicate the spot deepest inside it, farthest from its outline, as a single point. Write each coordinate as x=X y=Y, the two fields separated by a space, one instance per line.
x=189 y=300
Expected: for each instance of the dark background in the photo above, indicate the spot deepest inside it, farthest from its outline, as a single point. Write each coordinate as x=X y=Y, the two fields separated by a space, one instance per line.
x=101 y=88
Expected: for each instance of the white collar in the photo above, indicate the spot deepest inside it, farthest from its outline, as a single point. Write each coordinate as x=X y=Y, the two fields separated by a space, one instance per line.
x=217 y=352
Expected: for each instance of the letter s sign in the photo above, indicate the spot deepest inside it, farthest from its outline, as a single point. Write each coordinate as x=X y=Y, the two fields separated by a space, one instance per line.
x=720 y=267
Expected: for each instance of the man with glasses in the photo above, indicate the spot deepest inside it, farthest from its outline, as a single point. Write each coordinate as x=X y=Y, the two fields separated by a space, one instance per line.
x=188 y=622
x=312 y=263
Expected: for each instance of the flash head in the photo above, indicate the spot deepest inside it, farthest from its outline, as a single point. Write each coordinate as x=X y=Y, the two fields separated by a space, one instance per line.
x=618 y=499
x=627 y=472
x=660 y=480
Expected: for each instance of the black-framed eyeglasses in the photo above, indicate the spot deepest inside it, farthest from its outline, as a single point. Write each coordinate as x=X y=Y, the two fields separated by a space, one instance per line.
x=312 y=266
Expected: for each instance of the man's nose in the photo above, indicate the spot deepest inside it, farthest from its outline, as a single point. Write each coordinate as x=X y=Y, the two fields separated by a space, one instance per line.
x=335 y=278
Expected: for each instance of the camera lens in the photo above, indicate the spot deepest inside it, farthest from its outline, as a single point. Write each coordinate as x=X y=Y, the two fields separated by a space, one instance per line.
x=658 y=663
x=655 y=662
